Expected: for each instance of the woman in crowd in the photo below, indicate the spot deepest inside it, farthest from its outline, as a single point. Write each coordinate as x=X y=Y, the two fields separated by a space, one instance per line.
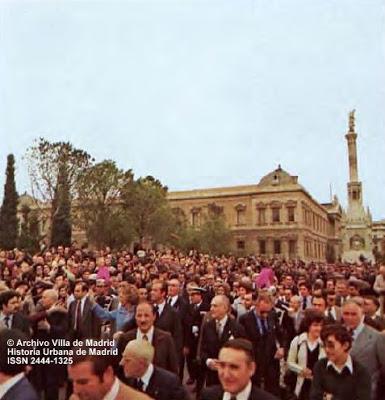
x=125 y=312
x=305 y=350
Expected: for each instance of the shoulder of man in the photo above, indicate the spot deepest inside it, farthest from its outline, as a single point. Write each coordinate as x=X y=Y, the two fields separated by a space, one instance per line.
x=212 y=393
x=126 y=392
x=259 y=394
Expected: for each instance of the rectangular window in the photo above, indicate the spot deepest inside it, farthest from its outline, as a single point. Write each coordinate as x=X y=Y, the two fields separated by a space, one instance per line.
x=240 y=217
x=240 y=244
x=291 y=214
x=276 y=214
x=277 y=247
x=195 y=219
x=262 y=246
x=292 y=247
x=261 y=216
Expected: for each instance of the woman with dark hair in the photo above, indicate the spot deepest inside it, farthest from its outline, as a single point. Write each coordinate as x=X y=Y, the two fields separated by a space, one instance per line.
x=305 y=350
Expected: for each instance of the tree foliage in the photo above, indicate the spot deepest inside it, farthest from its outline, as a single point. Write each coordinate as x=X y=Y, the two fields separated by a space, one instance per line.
x=99 y=209
x=213 y=236
x=61 y=229
x=147 y=209
x=44 y=162
x=54 y=169
x=29 y=233
x=8 y=211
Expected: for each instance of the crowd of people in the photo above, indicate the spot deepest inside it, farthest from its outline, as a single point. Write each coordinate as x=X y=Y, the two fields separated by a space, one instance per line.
x=192 y=326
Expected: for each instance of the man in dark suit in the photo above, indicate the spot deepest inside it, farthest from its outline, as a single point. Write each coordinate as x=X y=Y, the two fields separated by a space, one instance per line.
x=197 y=310
x=142 y=375
x=181 y=306
x=236 y=366
x=215 y=332
x=263 y=330
x=50 y=324
x=371 y=307
x=9 y=316
x=82 y=322
x=165 y=353
x=13 y=383
x=167 y=318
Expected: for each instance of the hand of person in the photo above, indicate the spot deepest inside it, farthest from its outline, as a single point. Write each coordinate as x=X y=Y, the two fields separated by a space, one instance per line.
x=117 y=335
x=186 y=351
x=307 y=373
x=213 y=364
x=280 y=353
x=57 y=307
x=43 y=325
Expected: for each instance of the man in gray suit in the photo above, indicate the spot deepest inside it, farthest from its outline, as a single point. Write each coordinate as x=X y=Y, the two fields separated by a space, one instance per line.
x=368 y=344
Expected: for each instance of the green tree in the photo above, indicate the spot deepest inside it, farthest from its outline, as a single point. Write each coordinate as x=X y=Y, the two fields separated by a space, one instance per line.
x=98 y=204
x=8 y=211
x=61 y=228
x=29 y=232
x=213 y=236
x=148 y=211
x=54 y=169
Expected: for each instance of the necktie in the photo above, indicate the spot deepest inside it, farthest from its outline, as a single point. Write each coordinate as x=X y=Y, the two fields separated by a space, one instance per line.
x=233 y=398
x=219 y=328
x=169 y=300
x=304 y=303
x=156 y=308
x=139 y=384
x=145 y=337
x=7 y=321
x=330 y=315
x=78 y=315
x=264 y=327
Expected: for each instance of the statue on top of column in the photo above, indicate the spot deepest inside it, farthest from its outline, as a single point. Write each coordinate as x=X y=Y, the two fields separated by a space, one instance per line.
x=351 y=120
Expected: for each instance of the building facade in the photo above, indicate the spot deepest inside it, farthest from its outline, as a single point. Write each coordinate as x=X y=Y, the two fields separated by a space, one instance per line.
x=276 y=217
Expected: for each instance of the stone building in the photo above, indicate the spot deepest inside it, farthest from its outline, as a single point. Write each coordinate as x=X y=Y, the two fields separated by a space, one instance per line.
x=357 y=222
x=276 y=217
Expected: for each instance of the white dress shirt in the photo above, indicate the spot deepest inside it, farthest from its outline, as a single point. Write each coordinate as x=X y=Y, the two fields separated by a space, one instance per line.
x=149 y=334
x=348 y=364
x=147 y=376
x=243 y=395
x=113 y=392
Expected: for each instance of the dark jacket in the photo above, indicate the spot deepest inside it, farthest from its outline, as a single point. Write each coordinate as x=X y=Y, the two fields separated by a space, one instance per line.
x=19 y=321
x=165 y=353
x=264 y=348
x=164 y=385
x=23 y=390
x=216 y=393
x=211 y=344
x=344 y=386
x=193 y=326
x=90 y=323
x=170 y=321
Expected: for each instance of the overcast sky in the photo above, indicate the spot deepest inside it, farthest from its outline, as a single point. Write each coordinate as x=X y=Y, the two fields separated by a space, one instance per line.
x=200 y=93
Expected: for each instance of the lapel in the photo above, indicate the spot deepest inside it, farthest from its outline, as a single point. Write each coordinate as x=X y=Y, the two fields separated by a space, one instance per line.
x=228 y=331
x=254 y=324
x=151 y=388
x=362 y=342
x=86 y=309
x=156 y=338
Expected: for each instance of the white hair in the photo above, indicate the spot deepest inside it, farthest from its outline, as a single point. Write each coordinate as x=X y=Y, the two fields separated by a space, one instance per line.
x=140 y=349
